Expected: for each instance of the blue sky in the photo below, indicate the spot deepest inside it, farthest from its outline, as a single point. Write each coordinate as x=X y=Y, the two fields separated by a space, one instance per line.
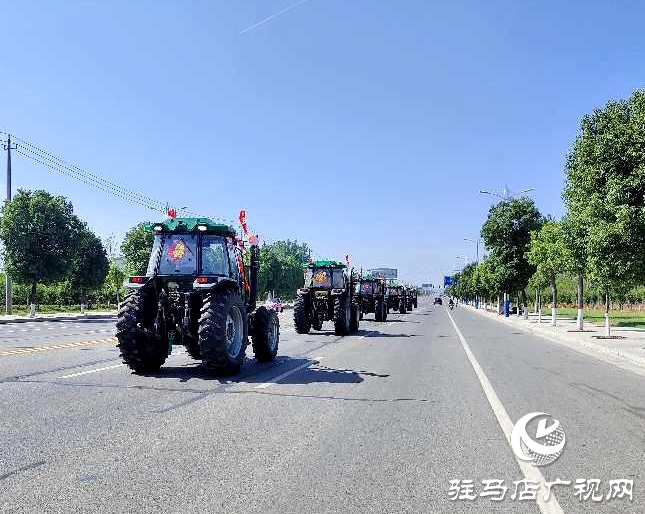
x=359 y=127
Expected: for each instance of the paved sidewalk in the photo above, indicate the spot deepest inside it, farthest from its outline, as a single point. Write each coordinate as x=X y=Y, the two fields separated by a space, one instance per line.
x=62 y=316
x=628 y=348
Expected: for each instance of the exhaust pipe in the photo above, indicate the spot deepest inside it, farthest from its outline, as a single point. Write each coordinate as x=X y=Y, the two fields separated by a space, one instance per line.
x=254 y=268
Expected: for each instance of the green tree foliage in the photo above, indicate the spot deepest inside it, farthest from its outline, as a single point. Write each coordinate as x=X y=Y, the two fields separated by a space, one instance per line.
x=114 y=282
x=136 y=247
x=549 y=254
x=36 y=229
x=281 y=267
x=90 y=262
x=507 y=234
x=605 y=191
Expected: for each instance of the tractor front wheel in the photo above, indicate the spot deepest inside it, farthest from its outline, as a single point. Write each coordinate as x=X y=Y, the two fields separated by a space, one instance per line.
x=353 y=321
x=266 y=334
x=301 y=318
x=223 y=332
x=342 y=315
x=141 y=349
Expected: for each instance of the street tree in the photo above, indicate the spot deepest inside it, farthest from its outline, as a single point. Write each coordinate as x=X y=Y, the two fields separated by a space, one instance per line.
x=90 y=262
x=136 y=247
x=550 y=257
x=36 y=229
x=507 y=234
x=575 y=236
x=604 y=185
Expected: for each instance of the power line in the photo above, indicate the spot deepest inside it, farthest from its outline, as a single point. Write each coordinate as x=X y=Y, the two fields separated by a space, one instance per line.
x=54 y=163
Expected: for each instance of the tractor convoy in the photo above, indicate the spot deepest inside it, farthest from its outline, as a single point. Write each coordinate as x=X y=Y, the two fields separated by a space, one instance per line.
x=200 y=290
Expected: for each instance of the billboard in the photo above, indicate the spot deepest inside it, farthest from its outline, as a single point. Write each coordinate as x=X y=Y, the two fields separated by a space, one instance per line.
x=389 y=273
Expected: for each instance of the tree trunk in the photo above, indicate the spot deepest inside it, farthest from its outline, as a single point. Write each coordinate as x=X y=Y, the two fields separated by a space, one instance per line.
x=607 y=327
x=554 y=300
x=499 y=304
x=32 y=300
x=581 y=303
x=537 y=298
x=83 y=302
x=539 y=305
x=525 y=304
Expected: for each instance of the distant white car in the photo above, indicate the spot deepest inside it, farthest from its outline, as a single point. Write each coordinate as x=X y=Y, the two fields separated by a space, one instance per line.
x=274 y=304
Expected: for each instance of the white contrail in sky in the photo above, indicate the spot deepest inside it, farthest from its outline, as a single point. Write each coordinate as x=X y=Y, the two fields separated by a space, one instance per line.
x=275 y=15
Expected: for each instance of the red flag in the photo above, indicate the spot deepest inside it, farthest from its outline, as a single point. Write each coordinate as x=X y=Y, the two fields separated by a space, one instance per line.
x=243 y=221
x=347 y=260
x=172 y=213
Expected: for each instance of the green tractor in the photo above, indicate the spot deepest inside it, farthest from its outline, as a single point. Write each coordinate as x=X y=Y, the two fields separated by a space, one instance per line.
x=198 y=293
x=326 y=295
x=397 y=298
x=412 y=295
x=371 y=296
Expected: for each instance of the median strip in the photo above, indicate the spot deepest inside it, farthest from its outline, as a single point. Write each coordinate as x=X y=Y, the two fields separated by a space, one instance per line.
x=58 y=346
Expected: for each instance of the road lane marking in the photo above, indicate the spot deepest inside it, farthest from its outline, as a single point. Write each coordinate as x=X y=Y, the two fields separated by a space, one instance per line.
x=286 y=374
x=57 y=346
x=530 y=472
x=91 y=371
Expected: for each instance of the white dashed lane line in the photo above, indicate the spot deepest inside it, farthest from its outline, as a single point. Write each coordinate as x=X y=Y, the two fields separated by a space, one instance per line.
x=92 y=371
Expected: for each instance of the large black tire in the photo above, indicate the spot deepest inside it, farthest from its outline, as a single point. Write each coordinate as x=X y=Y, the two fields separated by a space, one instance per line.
x=342 y=315
x=141 y=350
x=266 y=334
x=386 y=311
x=223 y=332
x=378 y=310
x=402 y=305
x=353 y=321
x=301 y=317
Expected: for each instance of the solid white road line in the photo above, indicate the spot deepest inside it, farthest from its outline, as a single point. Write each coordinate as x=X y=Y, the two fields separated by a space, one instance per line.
x=530 y=472
x=91 y=371
x=286 y=374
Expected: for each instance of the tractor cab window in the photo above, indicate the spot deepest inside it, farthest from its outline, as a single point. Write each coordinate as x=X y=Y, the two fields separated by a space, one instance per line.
x=319 y=277
x=178 y=254
x=338 y=279
x=214 y=256
x=366 y=288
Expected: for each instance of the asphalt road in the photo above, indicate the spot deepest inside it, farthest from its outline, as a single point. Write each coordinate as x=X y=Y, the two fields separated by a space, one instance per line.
x=377 y=422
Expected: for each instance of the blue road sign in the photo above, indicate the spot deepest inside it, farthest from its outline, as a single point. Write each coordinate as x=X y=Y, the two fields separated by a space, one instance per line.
x=447 y=281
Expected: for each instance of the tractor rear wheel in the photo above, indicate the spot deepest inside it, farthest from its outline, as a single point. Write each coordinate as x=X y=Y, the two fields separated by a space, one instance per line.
x=301 y=318
x=223 y=332
x=141 y=349
x=266 y=334
x=342 y=315
x=353 y=321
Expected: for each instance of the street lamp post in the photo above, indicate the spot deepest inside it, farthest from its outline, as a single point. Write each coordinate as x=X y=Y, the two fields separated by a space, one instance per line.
x=506 y=194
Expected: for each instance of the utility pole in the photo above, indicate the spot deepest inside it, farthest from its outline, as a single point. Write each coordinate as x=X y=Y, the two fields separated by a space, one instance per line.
x=8 y=302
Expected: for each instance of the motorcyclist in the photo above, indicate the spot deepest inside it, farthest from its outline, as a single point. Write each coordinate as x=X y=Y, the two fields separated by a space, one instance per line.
x=451 y=303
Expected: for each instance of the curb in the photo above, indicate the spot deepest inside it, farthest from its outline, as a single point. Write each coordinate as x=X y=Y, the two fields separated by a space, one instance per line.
x=27 y=319
x=560 y=338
